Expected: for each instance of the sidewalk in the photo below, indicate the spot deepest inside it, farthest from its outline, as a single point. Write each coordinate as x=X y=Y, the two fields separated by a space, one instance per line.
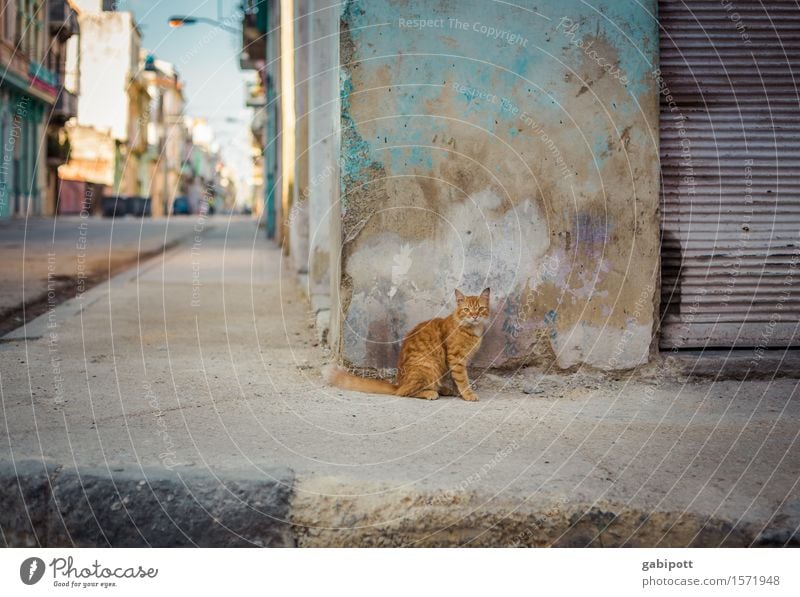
x=44 y=261
x=184 y=405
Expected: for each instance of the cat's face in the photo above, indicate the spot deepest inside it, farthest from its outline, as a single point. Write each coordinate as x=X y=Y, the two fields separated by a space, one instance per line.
x=472 y=310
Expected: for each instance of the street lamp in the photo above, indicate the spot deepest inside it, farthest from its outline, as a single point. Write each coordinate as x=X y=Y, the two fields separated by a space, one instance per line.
x=181 y=20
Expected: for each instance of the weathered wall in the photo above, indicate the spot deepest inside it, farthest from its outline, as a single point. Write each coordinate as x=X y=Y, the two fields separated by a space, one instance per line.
x=323 y=150
x=298 y=217
x=91 y=155
x=503 y=146
x=107 y=54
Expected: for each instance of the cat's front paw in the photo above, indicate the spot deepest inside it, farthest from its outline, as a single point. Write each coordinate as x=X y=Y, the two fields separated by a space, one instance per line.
x=469 y=396
x=428 y=395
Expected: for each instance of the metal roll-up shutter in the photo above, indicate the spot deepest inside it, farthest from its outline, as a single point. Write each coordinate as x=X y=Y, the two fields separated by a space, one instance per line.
x=730 y=161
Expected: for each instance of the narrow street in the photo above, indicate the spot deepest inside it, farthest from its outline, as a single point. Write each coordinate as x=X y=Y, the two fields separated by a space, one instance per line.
x=45 y=261
x=194 y=379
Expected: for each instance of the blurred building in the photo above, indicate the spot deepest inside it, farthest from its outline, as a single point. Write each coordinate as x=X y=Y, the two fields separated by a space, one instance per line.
x=256 y=181
x=166 y=133
x=85 y=114
x=201 y=166
x=89 y=172
x=34 y=103
x=260 y=54
x=226 y=189
x=114 y=96
x=293 y=48
x=63 y=29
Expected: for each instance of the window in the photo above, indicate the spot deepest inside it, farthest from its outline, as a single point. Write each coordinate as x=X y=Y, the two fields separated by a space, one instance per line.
x=35 y=33
x=20 y=26
x=9 y=18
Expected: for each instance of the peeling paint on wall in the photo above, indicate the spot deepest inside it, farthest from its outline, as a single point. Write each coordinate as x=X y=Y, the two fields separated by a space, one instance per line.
x=471 y=160
x=475 y=243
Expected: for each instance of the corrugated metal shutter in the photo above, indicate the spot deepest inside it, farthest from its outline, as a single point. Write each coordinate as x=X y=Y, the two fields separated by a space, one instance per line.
x=730 y=159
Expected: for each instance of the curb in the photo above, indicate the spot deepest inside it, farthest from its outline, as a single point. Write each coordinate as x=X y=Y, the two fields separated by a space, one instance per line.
x=328 y=514
x=44 y=505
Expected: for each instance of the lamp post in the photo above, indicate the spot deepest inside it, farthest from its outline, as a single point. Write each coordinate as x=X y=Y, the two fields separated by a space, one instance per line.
x=181 y=20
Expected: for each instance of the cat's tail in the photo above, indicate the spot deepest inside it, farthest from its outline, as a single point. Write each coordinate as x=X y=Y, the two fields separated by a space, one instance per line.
x=336 y=376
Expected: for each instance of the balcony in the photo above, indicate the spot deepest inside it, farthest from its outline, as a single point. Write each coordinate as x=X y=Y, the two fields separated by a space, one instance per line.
x=43 y=74
x=256 y=95
x=66 y=106
x=63 y=20
x=258 y=124
x=254 y=34
x=13 y=61
x=57 y=149
x=44 y=80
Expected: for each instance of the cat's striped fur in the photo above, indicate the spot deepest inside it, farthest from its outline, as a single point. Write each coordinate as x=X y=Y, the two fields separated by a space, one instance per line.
x=433 y=356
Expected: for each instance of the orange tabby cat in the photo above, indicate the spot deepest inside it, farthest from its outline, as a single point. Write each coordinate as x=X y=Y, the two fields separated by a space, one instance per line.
x=430 y=351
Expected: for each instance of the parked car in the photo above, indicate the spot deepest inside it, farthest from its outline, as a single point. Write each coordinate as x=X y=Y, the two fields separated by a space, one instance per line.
x=181 y=206
x=138 y=206
x=114 y=207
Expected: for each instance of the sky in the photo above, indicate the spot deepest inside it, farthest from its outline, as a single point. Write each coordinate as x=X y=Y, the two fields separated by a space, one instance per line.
x=207 y=60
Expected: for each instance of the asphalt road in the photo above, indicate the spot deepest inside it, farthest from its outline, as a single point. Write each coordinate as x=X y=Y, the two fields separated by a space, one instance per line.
x=44 y=261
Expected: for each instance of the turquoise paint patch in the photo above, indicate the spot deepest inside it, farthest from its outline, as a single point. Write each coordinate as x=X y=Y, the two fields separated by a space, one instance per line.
x=356 y=152
x=422 y=108
x=523 y=63
x=631 y=28
x=420 y=158
x=600 y=146
x=354 y=14
x=402 y=159
x=438 y=58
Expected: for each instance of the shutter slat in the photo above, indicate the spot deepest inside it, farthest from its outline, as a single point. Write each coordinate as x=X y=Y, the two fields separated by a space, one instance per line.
x=730 y=165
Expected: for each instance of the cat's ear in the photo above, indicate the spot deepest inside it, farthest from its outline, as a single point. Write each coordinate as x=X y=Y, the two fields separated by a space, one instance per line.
x=485 y=295
x=459 y=296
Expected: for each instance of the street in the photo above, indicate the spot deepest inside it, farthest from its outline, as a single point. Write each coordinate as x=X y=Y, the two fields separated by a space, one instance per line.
x=200 y=369
x=44 y=261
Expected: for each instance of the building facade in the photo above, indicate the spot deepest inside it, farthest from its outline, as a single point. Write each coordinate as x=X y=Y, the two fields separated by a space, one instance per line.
x=113 y=102
x=258 y=124
x=166 y=134
x=590 y=162
x=261 y=52
x=63 y=29
x=202 y=167
x=28 y=92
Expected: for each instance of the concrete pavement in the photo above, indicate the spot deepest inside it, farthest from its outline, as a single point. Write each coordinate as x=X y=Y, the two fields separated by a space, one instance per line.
x=201 y=369
x=44 y=261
